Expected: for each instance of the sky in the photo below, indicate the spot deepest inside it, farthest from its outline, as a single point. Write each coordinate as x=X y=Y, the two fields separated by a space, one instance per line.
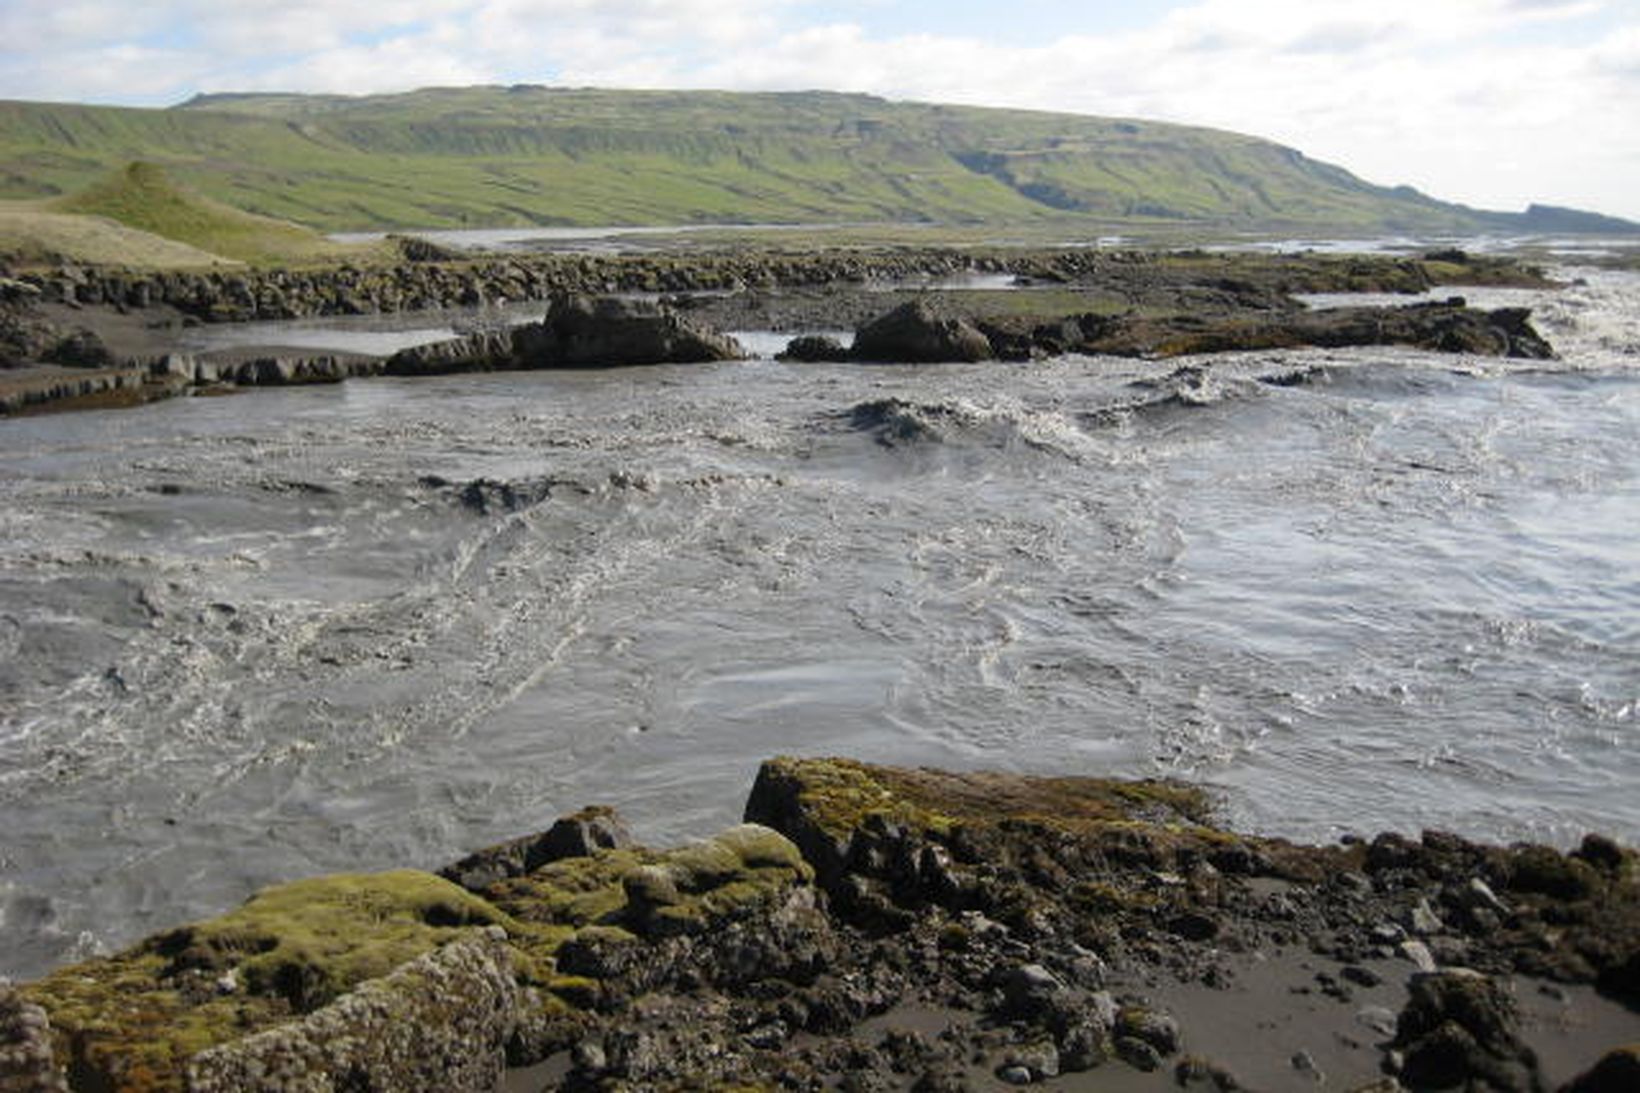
x=1495 y=103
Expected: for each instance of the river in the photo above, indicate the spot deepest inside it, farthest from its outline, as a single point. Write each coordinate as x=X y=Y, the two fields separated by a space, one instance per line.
x=301 y=630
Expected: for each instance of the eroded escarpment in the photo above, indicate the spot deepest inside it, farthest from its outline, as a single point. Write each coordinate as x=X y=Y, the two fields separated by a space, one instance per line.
x=880 y=928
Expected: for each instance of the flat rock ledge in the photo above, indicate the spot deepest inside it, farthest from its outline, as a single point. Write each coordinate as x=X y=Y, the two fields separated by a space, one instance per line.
x=875 y=928
x=918 y=332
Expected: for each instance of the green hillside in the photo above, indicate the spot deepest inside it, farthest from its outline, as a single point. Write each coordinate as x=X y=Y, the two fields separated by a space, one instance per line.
x=141 y=196
x=534 y=155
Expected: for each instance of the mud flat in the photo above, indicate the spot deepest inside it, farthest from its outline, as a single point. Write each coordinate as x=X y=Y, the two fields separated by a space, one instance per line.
x=882 y=928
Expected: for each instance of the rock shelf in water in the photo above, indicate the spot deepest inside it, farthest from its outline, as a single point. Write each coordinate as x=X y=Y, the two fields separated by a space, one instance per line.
x=879 y=928
x=72 y=336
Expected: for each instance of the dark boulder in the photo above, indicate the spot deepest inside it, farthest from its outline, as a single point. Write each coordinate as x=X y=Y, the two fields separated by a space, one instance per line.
x=79 y=349
x=602 y=331
x=27 y=1064
x=413 y=248
x=913 y=333
x=1461 y=1029
x=576 y=836
x=485 y=351
x=1617 y=1072
x=813 y=348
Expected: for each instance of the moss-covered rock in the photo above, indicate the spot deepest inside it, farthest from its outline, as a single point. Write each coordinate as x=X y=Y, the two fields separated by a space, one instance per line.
x=278 y=965
x=133 y=1020
x=442 y=1021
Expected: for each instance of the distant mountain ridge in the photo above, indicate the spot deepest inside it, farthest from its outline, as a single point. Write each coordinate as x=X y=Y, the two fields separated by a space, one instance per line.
x=503 y=156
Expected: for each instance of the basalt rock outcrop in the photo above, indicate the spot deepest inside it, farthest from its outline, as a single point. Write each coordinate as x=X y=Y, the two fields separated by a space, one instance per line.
x=484 y=351
x=578 y=332
x=913 y=333
x=1146 y=304
x=583 y=331
x=867 y=928
x=916 y=332
x=432 y=279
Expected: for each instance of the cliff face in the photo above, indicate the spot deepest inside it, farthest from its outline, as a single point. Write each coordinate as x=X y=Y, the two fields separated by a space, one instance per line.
x=879 y=926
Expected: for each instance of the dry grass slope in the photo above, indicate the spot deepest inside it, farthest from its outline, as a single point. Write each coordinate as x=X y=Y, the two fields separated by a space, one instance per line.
x=141 y=196
x=32 y=234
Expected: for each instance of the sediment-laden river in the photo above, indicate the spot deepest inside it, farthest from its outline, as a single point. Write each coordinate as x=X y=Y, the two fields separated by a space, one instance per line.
x=342 y=628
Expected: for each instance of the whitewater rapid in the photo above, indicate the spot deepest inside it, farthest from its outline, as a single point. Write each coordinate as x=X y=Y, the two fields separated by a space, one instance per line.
x=344 y=628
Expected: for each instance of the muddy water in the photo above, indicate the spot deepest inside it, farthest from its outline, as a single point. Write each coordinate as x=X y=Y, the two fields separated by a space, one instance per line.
x=245 y=639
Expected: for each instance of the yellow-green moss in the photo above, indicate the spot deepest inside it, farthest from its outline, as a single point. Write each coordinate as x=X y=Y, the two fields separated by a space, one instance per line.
x=840 y=794
x=677 y=891
x=577 y=991
x=134 y=1019
x=1098 y=897
x=288 y=950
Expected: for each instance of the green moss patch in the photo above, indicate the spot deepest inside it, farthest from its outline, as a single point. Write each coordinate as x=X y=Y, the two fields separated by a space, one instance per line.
x=131 y=1021
x=839 y=795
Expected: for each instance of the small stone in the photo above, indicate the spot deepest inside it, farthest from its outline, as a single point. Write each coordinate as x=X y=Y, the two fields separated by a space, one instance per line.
x=1028 y=988
x=1449 y=951
x=1194 y=926
x=767 y=1037
x=1361 y=977
x=1087 y=970
x=1379 y=1019
x=940 y=1078
x=1304 y=1063
x=589 y=1056
x=1601 y=852
x=1083 y=1047
x=1481 y=893
x=1387 y=933
x=1355 y=882
x=1420 y=956
x=1015 y=1074
x=1138 y=1054
x=1196 y=1073
x=1150 y=1026
x=651 y=886
x=1102 y=1009
x=1423 y=921
x=1041 y=1059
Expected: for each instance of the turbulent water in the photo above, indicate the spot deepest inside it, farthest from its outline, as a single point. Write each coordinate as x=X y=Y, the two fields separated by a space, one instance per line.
x=246 y=639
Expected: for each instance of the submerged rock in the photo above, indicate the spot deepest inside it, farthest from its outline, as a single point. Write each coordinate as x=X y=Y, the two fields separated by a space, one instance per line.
x=814 y=348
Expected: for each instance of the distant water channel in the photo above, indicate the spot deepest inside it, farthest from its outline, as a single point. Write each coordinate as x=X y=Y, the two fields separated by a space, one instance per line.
x=378 y=624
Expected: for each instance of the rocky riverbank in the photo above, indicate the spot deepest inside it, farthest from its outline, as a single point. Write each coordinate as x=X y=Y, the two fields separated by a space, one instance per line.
x=247 y=295
x=72 y=337
x=873 y=928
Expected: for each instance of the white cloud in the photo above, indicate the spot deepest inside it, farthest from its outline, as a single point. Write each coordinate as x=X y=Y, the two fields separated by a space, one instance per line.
x=1495 y=102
